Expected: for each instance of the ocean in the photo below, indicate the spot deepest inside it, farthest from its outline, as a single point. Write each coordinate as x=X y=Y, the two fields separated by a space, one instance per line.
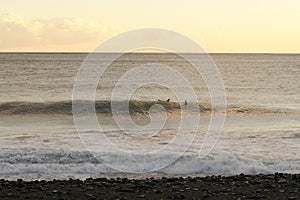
x=39 y=140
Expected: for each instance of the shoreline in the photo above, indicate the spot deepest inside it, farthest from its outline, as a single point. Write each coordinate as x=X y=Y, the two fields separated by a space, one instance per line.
x=261 y=186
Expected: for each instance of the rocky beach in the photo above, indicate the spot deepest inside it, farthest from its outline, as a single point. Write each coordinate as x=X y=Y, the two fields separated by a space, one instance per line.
x=272 y=186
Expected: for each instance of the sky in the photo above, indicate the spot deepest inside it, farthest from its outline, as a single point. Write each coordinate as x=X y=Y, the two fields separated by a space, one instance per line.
x=218 y=26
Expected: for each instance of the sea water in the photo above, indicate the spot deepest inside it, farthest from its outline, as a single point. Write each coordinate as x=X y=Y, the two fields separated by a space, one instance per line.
x=41 y=144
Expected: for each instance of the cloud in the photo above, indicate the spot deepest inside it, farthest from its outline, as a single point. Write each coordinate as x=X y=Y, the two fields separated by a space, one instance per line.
x=51 y=34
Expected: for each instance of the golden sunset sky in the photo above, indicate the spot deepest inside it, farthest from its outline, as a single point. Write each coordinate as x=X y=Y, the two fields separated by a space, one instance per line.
x=267 y=26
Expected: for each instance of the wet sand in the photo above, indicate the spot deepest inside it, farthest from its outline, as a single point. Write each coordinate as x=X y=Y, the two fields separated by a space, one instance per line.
x=273 y=186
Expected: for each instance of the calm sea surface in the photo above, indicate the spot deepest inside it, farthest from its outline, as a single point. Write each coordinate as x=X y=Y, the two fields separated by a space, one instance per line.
x=270 y=80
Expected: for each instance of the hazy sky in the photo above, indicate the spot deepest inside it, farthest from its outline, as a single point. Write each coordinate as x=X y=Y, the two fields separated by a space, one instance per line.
x=217 y=25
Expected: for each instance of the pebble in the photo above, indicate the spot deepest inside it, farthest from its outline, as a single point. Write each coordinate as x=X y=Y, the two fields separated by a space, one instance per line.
x=281 y=186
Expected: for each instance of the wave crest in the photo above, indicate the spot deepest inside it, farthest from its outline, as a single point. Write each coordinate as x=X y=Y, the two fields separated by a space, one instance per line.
x=103 y=107
x=65 y=107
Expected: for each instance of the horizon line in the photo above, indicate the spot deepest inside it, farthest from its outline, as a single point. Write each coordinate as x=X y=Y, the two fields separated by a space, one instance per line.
x=87 y=52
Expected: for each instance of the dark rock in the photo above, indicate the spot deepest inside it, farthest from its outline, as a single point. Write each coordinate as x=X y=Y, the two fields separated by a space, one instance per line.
x=178 y=196
x=10 y=195
x=282 y=181
x=157 y=191
x=293 y=198
x=125 y=190
x=90 y=196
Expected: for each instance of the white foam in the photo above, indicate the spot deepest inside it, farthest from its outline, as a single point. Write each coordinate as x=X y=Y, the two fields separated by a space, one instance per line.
x=32 y=163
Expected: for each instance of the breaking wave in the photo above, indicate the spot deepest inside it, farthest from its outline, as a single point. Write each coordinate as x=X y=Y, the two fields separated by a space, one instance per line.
x=34 y=163
x=103 y=107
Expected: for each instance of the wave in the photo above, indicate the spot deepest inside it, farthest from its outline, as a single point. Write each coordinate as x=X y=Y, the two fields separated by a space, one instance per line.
x=103 y=107
x=32 y=163
x=246 y=109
